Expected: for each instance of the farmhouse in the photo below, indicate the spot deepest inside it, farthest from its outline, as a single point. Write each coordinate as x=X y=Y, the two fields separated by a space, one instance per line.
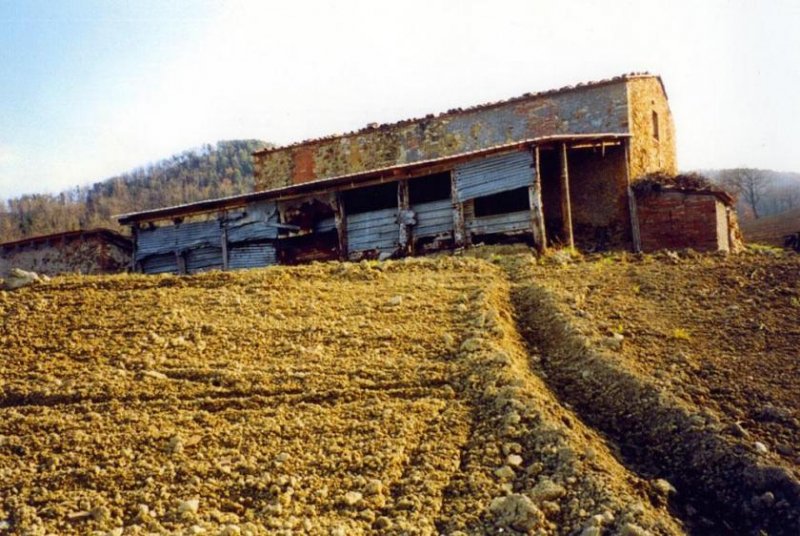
x=94 y=251
x=548 y=168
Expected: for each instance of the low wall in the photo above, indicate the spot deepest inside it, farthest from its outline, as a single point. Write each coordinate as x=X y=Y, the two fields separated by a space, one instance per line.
x=680 y=220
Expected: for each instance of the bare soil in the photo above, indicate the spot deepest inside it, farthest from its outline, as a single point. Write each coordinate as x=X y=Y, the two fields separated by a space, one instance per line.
x=720 y=332
x=327 y=399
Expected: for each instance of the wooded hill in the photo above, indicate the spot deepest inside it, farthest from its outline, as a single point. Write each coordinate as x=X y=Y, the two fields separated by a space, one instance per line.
x=194 y=175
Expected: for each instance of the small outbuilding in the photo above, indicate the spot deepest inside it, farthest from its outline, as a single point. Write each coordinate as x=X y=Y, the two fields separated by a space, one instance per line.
x=94 y=251
x=685 y=211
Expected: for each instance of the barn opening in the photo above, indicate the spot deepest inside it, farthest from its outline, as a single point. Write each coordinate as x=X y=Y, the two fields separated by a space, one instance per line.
x=431 y=202
x=308 y=231
x=371 y=221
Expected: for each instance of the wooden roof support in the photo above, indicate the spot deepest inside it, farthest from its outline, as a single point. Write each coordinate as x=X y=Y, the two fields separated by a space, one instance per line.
x=134 y=240
x=404 y=213
x=223 y=239
x=566 y=204
x=340 y=219
x=636 y=235
x=459 y=224
x=537 y=213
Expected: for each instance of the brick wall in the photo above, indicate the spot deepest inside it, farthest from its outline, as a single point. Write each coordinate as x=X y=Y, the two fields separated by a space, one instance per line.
x=581 y=110
x=677 y=220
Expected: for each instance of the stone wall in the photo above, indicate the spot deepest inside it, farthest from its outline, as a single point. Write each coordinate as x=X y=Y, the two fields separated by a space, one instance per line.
x=90 y=255
x=599 y=196
x=678 y=220
x=591 y=109
x=650 y=154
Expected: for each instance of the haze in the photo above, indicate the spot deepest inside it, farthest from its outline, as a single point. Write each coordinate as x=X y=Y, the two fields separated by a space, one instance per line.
x=89 y=89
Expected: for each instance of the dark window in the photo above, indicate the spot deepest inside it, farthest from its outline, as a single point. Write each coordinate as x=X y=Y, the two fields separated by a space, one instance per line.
x=429 y=188
x=502 y=203
x=655 y=125
x=370 y=198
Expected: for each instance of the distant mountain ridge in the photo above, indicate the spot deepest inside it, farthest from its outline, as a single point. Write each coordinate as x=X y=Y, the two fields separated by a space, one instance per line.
x=208 y=172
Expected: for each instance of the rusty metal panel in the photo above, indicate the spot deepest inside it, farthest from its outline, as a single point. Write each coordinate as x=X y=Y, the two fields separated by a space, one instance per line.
x=433 y=218
x=203 y=259
x=160 y=264
x=487 y=176
x=501 y=223
x=251 y=256
x=376 y=230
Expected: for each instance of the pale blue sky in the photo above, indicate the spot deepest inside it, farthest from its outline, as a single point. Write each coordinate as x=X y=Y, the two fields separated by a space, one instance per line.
x=89 y=89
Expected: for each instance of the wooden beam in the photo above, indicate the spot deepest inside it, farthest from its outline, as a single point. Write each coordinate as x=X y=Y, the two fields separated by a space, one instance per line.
x=135 y=244
x=636 y=233
x=537 y=213
x=340 y=219
x=180 y=259
x=460 y=238
x=566 y=204
x=404 y=215
x=223 y=238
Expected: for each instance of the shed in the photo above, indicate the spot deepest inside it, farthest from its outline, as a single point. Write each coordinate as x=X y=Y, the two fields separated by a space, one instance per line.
x=685 y=211
x=92 y=251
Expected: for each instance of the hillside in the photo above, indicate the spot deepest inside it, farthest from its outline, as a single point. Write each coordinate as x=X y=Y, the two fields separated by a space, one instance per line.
x=425 y=396
x=771 y=230
x=194 y=175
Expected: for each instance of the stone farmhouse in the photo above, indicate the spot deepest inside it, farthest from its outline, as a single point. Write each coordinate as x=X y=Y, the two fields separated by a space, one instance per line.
x=553 y=168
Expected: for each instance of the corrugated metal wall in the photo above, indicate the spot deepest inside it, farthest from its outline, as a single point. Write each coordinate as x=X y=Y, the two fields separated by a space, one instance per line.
x=203 y=258
x=376 y=230
x=251 y=256
x=157 y=241
x=259 y=222
x=433 y=218
x=250 y=234
x=160 y=264
x=487 y=176
x=500 y=223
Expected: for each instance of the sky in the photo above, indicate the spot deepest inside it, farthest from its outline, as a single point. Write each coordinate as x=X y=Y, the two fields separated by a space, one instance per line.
x=93 y=88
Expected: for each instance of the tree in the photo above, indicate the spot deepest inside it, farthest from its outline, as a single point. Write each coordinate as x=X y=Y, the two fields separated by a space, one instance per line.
x=749 y=184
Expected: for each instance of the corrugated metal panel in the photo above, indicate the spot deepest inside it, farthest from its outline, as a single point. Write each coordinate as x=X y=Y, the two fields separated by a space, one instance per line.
x=259 y=223
x=172 y=238
x=160 y=240
x=433 y=218
x=487 y=176
x=204 y=258
x=251 y=256
x=159 y=264
x=501 y=223
x=197 y=234
x=373 y=230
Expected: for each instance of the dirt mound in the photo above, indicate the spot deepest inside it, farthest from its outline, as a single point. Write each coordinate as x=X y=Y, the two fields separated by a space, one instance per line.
x=328 y=399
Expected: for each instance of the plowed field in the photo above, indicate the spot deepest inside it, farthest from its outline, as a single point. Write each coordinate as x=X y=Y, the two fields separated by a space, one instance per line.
x=427 y=396
x=329 y=399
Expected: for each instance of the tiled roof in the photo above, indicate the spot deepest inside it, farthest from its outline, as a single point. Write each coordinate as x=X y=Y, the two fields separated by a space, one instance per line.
x=453 y=111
